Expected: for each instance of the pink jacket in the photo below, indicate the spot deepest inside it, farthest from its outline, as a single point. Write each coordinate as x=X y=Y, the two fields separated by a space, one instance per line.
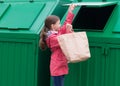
x=58 y=63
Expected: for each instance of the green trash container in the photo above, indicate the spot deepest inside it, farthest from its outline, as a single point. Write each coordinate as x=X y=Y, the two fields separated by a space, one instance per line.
x=22 y=63
x=101 y=22
x=91 y=0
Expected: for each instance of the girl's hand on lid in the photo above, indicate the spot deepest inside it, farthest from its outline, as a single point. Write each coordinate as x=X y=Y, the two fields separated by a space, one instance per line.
x=71 y=7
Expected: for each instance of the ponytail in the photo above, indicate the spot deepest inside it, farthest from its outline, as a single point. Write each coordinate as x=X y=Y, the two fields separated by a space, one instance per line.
x=42 y=41
x=47 y=26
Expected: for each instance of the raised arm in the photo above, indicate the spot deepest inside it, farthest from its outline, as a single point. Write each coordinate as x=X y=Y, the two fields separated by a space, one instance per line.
x=69 y=19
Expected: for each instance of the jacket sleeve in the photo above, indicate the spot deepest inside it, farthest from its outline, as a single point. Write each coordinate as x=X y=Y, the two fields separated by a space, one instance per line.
x=52 y=41
x=68 y=20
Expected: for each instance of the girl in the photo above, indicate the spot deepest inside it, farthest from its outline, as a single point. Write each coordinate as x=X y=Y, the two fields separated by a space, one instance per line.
x=48 y=37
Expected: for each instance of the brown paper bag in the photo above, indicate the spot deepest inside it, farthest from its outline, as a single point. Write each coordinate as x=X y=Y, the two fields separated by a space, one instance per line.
x=75 y=46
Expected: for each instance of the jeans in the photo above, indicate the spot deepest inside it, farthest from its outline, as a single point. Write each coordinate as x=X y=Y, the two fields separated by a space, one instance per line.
x=58 y=80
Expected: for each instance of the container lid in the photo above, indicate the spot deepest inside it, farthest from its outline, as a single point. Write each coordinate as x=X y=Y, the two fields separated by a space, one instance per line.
x=92 y=4
x=19 y=15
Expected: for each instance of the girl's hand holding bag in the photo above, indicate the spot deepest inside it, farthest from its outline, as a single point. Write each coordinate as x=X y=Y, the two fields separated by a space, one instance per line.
x=75 y=46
